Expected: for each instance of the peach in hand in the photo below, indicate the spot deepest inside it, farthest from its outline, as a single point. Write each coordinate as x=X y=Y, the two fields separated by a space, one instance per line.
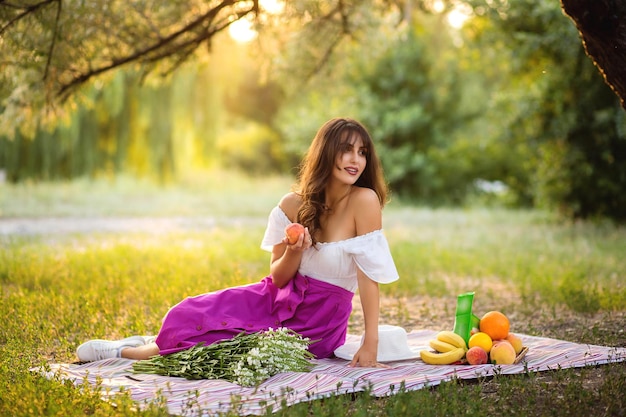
x=293 y=232
x=476 y=356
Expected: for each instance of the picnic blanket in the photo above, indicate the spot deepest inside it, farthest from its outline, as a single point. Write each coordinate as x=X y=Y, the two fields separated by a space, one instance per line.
x=328 y=377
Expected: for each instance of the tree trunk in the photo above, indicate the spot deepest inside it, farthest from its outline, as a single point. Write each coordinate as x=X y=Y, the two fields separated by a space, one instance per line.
x=602 y=26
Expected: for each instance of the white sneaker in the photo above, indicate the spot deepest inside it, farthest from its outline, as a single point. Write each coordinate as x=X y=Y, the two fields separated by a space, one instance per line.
x=149 y=339
x=95 y=350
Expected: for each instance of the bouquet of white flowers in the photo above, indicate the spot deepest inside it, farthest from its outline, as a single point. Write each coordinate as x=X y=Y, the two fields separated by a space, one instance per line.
x=246 y=359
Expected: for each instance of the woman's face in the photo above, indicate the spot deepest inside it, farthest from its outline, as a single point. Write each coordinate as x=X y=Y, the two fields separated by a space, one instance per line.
x=350 y=161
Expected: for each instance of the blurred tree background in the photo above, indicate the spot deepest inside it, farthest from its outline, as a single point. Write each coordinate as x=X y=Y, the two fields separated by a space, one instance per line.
x=471 y=101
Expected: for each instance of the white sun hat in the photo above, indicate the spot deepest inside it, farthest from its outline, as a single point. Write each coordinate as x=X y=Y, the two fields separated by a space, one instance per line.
x=392 y=346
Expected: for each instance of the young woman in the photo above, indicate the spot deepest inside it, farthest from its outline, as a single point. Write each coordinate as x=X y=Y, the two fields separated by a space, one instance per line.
x=339 y=199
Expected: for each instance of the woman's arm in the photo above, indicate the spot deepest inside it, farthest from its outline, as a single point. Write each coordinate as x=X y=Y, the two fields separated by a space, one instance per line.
x=285 y=259
x=367 y=219
x=369 y=293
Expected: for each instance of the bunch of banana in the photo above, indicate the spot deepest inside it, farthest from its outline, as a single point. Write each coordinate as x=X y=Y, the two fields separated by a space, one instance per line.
x=449 y=347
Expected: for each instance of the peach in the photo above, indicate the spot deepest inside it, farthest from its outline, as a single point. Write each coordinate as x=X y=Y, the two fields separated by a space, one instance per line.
x=476 y=356
x=293 y=232
x=516 y=342
x=502 y=353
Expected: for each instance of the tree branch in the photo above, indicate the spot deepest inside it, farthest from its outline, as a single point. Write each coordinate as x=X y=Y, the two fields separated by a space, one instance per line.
x=345 y=30
x=53 y=41
x=27 y=10
x=327 y=54
x=163 y=47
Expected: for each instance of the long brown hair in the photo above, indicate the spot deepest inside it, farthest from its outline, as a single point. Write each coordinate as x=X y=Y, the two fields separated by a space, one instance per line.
x=319 y=161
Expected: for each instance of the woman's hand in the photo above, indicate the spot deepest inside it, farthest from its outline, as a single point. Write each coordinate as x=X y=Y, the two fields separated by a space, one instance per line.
x=366 y=358
x=303 y=243
x=286 y=258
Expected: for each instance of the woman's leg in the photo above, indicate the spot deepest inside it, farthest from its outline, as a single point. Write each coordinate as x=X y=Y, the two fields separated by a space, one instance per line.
x=98 y=349
x=140 y=352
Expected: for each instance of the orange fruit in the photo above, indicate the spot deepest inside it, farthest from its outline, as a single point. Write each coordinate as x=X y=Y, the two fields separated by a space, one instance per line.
x=495 y=324
x=482 y=340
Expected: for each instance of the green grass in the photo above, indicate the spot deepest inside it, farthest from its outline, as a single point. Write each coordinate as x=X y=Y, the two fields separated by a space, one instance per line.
x=535 y=254
x=552 y=277
x=214 y=193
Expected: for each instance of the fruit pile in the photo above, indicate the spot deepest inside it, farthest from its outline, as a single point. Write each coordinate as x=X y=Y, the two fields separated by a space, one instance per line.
x=491 y=342
x=449 y=348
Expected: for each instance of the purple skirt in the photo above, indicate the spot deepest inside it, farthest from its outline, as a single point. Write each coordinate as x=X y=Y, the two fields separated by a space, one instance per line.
x=315 y=309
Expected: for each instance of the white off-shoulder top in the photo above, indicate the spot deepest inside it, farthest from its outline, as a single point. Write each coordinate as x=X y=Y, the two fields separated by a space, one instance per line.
x=336 y=262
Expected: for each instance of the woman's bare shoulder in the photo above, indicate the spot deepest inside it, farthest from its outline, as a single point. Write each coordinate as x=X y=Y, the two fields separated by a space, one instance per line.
x=290 y=204
x=367 y=210
x=362 y=196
